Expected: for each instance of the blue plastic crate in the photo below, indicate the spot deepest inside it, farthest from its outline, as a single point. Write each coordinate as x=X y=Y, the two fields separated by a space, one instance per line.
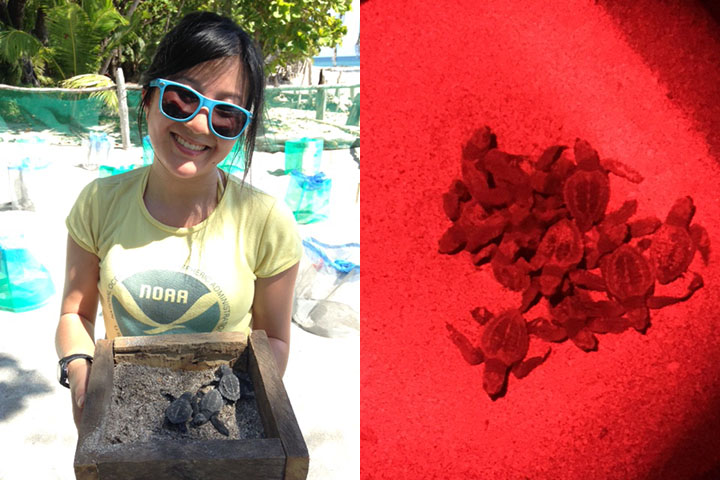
x=25 y=284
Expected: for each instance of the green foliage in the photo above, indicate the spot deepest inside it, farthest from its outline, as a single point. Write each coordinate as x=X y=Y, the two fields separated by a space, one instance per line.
x=76 y=37
x=75 y=33
x=91 y=80
x=10 y=73
x=15 y=44
x=83 y=35
x=292 y=31
x=71 y=40
x=12 y=112
x=287 y=31
x=128 y=33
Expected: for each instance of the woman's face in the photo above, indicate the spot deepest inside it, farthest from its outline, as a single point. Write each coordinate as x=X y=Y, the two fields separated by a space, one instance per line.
x=190 y=149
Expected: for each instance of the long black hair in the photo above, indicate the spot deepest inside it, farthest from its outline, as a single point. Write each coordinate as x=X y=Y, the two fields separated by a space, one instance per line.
x=204 y=36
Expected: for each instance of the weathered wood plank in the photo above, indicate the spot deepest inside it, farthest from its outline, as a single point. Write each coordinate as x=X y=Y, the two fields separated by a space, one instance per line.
x=181 y=342
x=197 y=351
x=260 y=459
x=97 y=401
x=275 y=407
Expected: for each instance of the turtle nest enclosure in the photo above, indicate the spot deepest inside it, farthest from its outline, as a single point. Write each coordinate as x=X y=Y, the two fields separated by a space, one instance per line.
x=126 y=431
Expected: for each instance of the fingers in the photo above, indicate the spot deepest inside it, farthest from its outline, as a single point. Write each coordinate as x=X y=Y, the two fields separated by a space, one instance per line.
x=78 y=376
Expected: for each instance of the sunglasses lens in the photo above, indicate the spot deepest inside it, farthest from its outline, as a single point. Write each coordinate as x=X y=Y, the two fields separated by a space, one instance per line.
x=179 y=103
x=228 y=120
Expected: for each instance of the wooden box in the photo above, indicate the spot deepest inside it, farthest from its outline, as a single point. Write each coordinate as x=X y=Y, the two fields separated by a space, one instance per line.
x=282 y=454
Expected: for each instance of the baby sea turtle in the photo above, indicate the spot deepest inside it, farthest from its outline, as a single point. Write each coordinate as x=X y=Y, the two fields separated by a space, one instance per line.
x=630 y=280
x=180 y=410
x=208 y=410
x=559 y=251
x=505 y=343
x=674 y=245
x=587 y=190
x=229 y=385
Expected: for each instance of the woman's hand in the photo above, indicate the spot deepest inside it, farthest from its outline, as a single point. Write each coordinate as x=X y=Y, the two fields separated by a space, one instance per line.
x=78 y=376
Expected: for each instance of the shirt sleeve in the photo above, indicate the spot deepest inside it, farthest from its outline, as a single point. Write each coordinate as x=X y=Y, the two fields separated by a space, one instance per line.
x=82 y=221
x=280 y=245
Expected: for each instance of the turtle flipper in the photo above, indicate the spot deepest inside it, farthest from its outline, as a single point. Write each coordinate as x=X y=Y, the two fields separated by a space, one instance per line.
x=219 y=426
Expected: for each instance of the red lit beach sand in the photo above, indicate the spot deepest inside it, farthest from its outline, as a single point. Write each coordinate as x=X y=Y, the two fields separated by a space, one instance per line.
x=642 y=406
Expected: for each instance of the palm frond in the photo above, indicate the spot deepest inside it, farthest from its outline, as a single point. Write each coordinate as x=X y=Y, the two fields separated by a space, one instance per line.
x=127 y=33
x=40 y=65
x=106 y=20
x=92 y=80
x=47 y=56
x=103 y=16
x=15 y=44
x=72 y=39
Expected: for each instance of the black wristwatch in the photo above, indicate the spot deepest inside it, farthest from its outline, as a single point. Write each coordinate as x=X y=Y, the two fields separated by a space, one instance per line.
x=62 y=369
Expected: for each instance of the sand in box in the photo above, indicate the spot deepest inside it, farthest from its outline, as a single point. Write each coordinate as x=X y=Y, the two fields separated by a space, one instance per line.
x=137 y=408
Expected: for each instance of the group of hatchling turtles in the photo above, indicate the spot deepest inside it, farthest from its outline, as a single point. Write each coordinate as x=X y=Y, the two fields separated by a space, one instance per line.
x=543 y=226
x=204 y=405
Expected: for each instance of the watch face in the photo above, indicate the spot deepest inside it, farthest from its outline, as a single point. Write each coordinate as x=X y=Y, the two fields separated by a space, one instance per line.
x=60 y=373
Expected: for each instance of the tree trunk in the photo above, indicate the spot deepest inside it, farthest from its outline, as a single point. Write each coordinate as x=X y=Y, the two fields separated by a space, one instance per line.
x=28 y=73
x=16 y=10
x=131 y=10
x=4 y=14
x=40 y=30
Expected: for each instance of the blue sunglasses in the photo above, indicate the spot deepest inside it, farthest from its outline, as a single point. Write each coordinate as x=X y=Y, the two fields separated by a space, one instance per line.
x=181 y=103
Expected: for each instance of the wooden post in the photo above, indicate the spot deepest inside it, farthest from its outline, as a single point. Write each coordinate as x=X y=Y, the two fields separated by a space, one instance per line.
x=122 y=103
x=320 y=104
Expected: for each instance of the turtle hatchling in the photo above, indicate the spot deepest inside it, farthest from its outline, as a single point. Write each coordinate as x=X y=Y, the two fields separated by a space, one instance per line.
x=209 y=408
x=229 y=385
x=180 y=410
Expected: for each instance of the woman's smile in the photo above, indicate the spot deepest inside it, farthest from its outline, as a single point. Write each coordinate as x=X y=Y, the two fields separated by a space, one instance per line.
x=187 y=146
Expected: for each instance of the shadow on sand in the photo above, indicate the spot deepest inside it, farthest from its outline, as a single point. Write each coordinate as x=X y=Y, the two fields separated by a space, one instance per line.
x=680 y=41
x=16 y=384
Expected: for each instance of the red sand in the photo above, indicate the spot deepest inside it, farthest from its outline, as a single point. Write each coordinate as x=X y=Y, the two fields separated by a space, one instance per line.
x=643 y=406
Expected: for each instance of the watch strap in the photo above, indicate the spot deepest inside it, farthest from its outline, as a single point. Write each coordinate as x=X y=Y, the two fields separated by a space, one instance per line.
x=65 y=361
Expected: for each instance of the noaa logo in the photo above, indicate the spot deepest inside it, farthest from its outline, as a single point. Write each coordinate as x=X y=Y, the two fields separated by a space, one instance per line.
x=161 y=301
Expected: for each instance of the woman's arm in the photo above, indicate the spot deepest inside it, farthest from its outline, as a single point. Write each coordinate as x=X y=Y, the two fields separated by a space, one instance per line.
x=76 y=328
x=272 y=311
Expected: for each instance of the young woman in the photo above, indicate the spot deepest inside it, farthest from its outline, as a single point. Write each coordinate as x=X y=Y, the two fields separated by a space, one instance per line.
x=179 y=246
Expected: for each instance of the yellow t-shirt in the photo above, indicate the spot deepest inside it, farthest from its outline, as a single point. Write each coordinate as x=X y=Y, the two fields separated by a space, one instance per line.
x=159 y=279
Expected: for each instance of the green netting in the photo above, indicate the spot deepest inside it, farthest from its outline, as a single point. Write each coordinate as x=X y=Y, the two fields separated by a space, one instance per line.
x=290 y=114
x=68 y=114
